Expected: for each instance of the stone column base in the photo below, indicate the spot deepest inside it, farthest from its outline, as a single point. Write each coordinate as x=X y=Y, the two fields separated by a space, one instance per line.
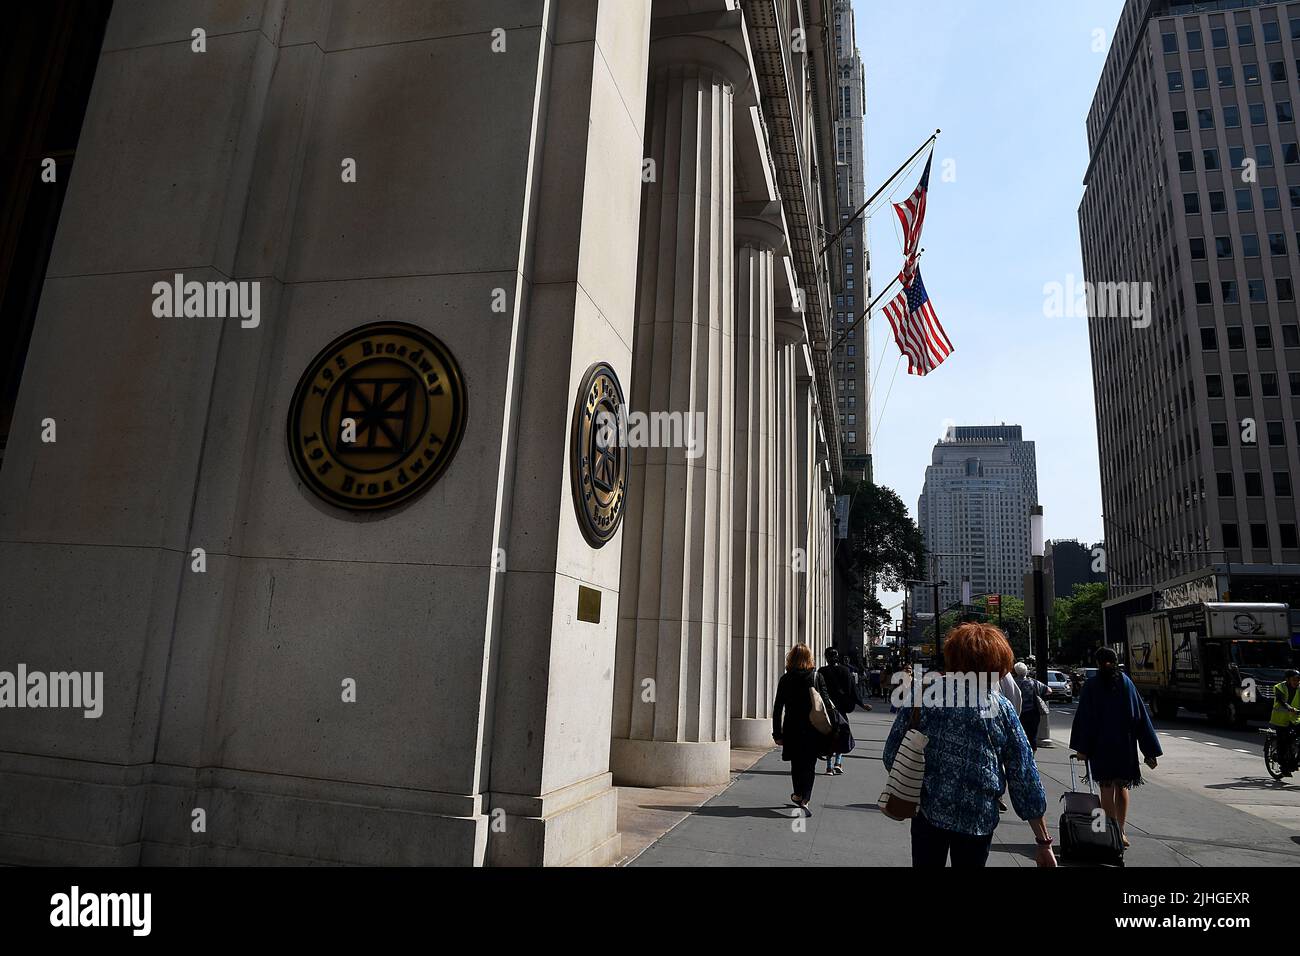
x=669 y=763
x=751 y=733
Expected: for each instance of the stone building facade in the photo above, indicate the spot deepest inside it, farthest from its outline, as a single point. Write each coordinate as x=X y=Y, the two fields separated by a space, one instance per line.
x=540 y=186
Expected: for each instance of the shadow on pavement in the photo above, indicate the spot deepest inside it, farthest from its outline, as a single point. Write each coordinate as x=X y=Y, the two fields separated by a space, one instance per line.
x=1251 y=783
x=762 y=813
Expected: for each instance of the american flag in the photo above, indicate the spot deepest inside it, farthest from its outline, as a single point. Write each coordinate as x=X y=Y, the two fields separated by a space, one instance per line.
x=916 y=328
x=912 y=213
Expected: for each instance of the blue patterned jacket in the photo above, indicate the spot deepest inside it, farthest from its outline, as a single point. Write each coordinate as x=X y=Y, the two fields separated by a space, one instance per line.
x=964 y=762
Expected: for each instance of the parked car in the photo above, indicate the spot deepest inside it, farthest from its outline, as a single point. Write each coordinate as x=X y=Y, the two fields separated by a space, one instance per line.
x=1059 y=686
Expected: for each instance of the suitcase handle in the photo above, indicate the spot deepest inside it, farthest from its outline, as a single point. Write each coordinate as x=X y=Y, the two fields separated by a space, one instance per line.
x=1087 y=774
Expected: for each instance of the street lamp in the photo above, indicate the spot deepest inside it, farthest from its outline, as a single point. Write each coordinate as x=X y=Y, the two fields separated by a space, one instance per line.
x=1040 y=614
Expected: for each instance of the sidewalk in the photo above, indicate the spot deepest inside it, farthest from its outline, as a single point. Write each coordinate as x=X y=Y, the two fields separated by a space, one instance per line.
x=752 y=824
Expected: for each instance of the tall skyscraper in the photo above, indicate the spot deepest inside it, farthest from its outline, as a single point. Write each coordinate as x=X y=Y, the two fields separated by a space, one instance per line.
x=1193 y=194
x=853 y=358
x=974 y=511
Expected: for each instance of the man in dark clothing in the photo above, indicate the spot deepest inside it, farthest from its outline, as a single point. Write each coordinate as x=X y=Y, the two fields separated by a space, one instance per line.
x=839 y=685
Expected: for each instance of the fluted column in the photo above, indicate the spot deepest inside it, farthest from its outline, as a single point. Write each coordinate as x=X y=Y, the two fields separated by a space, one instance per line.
x=789 y=353
x=671 y=677
x=805 y=488
x=753 y=595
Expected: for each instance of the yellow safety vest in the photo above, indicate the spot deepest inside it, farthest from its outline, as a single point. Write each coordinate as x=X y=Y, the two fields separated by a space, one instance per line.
x=1281 y=716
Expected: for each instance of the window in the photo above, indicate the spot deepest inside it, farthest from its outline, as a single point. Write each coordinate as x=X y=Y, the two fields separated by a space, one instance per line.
x=1294 y=382
x=1291 y=336
x=1231 y=117
x=1284 y=112
x=1268 y=384
x=853 y=419
x=1200 y=80
x=1185 y=162
x=1285 y=293
x=1219 y=38
x=1258 y=535
x=1224 y=74
x=1295 y=29
x=1191 y=204
x=1203 y=298
x=1245 y=35
x=1236 y=338
x=1241 y=385
x=1237 y=160
x=1225 y=483
x=1263 y=335
x=1255 y=291
x=1194 y=41
x=1291 y=153
x=1257 y=115
x=1197 y=244
x=1282 y=484
x=1286 y=535
x=1223 y=247
x=1254 y=487
x=1275 y=434
x=1271 y=198
x=1277 y=71
x=1213 y=383
x=1272 y=32
x=853 y=436
x=1180 y=121
x=1264 y=154
x=1205 y=119
x=1249 y=74
x=1217 y=202
x=1250 y=245
x=1277 y=244
x=1219 y=434
x=1228 y=289
x=1170 y=41
x=1230 y=539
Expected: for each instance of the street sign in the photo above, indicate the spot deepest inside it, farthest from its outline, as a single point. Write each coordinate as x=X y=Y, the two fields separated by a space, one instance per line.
x=993 y=601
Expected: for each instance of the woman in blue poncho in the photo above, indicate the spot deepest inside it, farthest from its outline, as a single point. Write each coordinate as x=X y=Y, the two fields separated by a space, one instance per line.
x=1110 y=725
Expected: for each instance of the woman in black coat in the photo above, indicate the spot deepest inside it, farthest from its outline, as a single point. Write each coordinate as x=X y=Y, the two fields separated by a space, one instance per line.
x=801 y=744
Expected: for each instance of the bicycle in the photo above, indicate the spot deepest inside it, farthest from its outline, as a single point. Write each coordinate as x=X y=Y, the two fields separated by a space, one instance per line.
x=1272 y=759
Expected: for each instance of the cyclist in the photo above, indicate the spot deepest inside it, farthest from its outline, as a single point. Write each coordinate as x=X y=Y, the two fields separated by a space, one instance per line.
x=1286 y=713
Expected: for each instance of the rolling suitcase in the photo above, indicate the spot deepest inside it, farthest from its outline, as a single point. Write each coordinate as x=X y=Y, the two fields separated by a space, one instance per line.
x=1081 y=839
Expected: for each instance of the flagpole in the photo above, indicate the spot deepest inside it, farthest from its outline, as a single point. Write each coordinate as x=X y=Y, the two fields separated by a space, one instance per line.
x=861 y=209
x=867 y=311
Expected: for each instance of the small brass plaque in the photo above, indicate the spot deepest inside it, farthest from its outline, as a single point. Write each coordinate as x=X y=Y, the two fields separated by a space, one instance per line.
x=588 y=604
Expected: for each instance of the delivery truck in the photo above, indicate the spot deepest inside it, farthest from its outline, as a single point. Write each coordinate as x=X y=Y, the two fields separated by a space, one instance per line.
x=1216 y=658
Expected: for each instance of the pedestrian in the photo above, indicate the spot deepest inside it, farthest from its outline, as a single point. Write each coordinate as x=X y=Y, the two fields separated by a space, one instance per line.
x=1033 y=701
x=969 y=758
x=1110 y=724
x=839 y=683
x=800 y=742
x=874 y=681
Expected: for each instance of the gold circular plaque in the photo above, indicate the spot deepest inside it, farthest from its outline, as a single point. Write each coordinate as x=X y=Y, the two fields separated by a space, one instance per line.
x=598 y=464
x=377 y=416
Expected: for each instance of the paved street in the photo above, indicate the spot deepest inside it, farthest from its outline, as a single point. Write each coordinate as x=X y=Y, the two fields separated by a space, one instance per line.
x=1209 y=803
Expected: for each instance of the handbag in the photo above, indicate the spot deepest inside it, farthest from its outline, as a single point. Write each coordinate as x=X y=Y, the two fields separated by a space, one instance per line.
x=902 y=794
x=817 y=713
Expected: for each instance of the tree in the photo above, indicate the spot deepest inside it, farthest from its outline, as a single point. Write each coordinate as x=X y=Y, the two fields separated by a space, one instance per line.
x=1012 y=621
x=1077 y=623
x=885 y=548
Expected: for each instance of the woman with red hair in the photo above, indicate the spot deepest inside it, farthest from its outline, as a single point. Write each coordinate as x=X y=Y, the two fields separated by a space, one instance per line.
x=975 y=749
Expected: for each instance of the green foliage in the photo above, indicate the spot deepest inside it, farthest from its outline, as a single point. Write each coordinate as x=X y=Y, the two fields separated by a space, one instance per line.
x=1077 y=623
x=885 y=548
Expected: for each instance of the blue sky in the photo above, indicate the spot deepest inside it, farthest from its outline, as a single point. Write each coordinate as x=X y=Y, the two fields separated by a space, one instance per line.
x=1009 y=83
